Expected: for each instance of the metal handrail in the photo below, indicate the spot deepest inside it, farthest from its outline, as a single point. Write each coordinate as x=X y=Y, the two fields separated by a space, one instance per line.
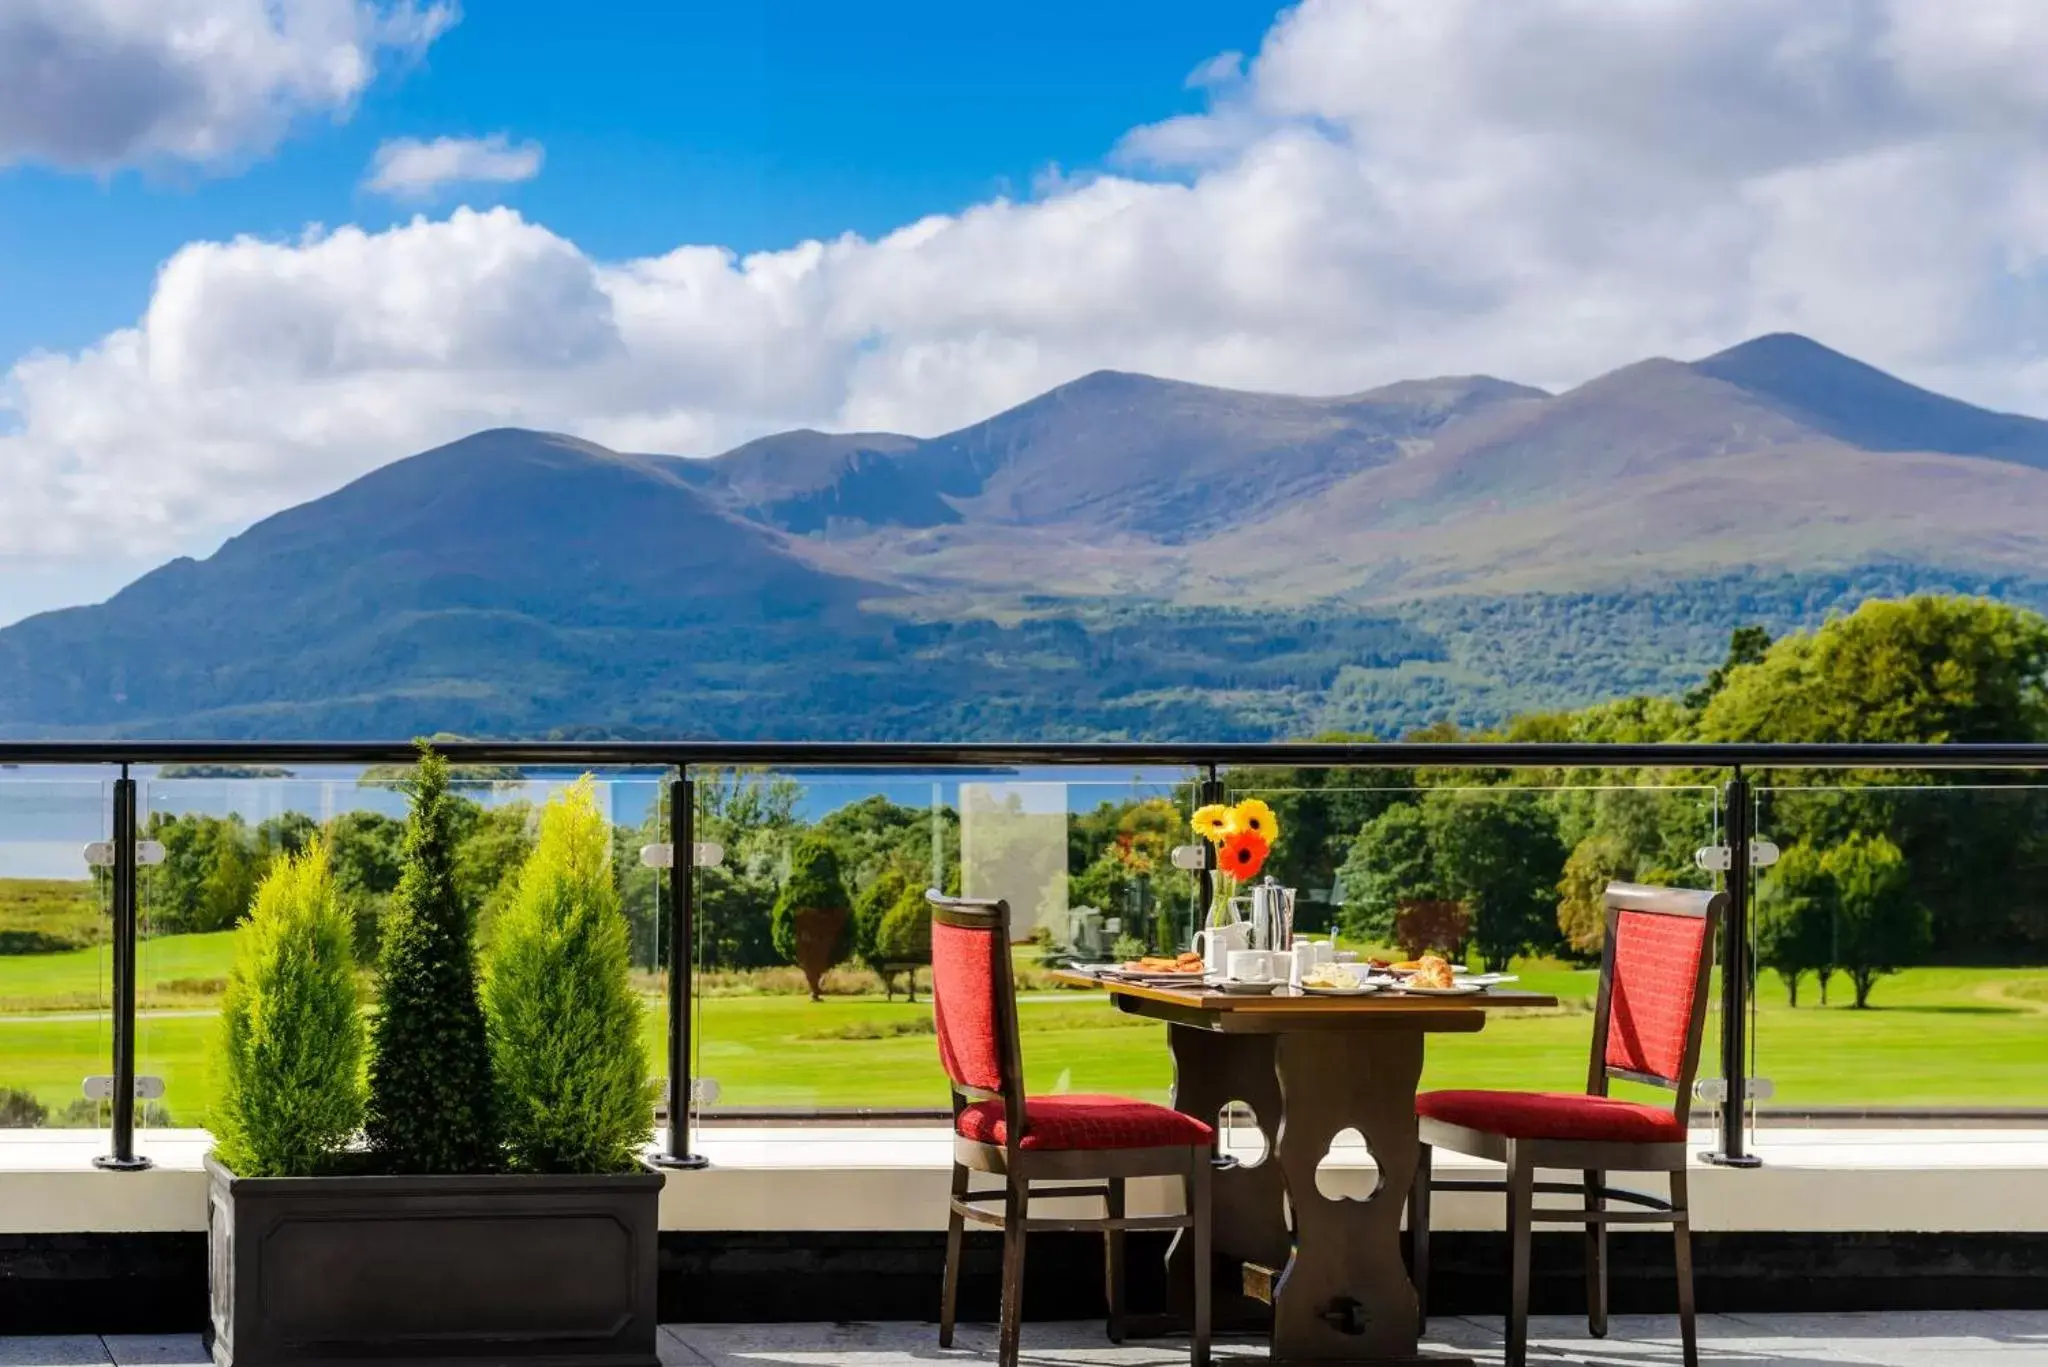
x=954 y=754
x=682 y=756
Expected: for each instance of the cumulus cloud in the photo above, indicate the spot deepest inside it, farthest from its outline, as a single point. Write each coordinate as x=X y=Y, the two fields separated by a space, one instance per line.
x=101 y=84
x=1392 y=188
x=407 y=168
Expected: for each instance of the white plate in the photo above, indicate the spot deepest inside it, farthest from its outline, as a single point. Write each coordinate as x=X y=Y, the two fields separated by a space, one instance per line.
x=1362 y=990
x=1134 y=976
x=1457 y=990
x=1492 y=979
x=1239 y=988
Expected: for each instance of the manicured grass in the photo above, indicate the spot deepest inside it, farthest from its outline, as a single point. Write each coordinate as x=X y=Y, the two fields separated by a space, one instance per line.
x=77 y=980
x=1935 y=1037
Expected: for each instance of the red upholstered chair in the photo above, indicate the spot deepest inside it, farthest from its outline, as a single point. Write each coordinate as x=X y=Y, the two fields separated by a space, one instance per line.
x=1088 y=1145
x=1647 y=1024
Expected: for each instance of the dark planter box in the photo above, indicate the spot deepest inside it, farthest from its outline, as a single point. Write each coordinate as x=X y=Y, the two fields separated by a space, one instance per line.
x=324 y=1271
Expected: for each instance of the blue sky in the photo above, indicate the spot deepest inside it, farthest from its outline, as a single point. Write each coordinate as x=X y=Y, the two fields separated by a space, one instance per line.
x=753 y=125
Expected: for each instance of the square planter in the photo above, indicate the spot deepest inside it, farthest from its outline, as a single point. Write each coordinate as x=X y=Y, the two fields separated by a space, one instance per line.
x=321 y=1271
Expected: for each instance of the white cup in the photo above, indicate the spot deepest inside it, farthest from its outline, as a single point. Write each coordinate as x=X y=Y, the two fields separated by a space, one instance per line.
x=1218 y=943
x=1302 y=962
x=1249 y=966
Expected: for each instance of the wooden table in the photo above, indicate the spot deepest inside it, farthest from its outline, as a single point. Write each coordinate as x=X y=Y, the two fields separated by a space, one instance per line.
x=1309 y=1068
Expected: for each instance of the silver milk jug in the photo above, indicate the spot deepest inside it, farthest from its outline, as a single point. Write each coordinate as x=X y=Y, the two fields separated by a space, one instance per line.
x=1272 y=915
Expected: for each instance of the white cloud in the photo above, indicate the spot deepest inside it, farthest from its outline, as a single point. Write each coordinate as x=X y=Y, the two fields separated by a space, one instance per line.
x=407 y=168
x=1393 y=188
x=101 y=84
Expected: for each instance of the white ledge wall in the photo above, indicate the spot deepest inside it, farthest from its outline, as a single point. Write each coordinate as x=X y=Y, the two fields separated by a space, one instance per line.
x=811 y=1177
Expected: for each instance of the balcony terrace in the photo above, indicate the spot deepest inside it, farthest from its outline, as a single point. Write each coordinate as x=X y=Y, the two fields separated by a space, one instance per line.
x=1882 y=1199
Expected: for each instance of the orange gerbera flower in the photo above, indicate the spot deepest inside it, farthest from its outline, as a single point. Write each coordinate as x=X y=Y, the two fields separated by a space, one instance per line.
x=1244 y=854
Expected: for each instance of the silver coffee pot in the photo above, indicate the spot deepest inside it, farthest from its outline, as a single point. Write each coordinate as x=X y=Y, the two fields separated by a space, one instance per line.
x=1272 y=915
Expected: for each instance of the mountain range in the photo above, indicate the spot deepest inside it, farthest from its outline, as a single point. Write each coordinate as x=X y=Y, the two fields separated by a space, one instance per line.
x=1121 y=556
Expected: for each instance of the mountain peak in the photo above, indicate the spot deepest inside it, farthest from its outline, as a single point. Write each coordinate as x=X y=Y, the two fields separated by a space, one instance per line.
x=1864 y=406
x=1780 y=349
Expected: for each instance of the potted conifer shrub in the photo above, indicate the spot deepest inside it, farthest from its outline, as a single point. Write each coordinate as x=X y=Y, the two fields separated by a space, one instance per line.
x=481 y=1200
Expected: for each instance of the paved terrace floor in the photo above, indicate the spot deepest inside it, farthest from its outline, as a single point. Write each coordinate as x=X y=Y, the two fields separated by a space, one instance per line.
x=1985 y=1338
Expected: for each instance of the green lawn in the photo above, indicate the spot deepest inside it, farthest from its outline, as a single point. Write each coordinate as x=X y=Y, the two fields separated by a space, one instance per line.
x=77 y=980
x=1936 y=1036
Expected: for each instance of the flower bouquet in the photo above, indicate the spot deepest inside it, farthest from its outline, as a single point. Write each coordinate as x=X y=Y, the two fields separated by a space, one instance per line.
x=1243 y=836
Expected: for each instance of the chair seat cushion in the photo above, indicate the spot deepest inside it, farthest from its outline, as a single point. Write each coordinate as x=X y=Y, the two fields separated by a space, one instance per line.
x=1085 y=1122
x=1552 y=1115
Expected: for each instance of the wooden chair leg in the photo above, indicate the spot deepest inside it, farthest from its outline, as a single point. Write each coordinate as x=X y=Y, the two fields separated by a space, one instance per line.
x=1016 y=1208
x=1521 y=1201
x=1596 y=1257
x=1418 y=1232
x=1681 y=1233
x=956 y=1227
x=1200 y=1204
x=1113 y=1259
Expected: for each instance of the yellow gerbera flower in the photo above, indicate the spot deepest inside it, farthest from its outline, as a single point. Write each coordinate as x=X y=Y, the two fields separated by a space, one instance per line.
x=1216 y=822
x=1255 y=816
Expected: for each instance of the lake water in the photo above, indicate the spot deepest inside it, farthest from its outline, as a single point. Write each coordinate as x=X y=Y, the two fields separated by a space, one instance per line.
x=49 y=813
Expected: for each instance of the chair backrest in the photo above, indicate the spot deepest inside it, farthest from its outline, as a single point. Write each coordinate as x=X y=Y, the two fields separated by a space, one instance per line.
x=1654 y=974
x=974 y=1000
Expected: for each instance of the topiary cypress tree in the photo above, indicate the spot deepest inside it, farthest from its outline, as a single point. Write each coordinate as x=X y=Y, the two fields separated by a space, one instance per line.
x=573 y=1089
x=906 y=933
x=431 y=1104
x=869 y=908
x=291 y=1037
x=811 y=922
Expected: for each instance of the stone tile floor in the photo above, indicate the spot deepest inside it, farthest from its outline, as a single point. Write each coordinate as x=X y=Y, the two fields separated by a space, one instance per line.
x=1988 y=1338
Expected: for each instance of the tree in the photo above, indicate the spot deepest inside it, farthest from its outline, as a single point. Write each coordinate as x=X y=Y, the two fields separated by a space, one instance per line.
x=1500 y=855
x=1795 y=920
x=1597 y=860
x=366 y=850
x=875 y=832
x=811 y=915
x=753 y=816
x=906 y=935
x=1392 y=860
x=643 y=892
x=491 y=846
x=431 y=1098
x=1926 y=669
x=573 y=1089
x=1438 y=927
x=231 y=877
x=207 y=877
x=732 y=913
x=1746 y=646
x=870 y=909
x=287 y=833
x=1880 y=926
x=291 y=1035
